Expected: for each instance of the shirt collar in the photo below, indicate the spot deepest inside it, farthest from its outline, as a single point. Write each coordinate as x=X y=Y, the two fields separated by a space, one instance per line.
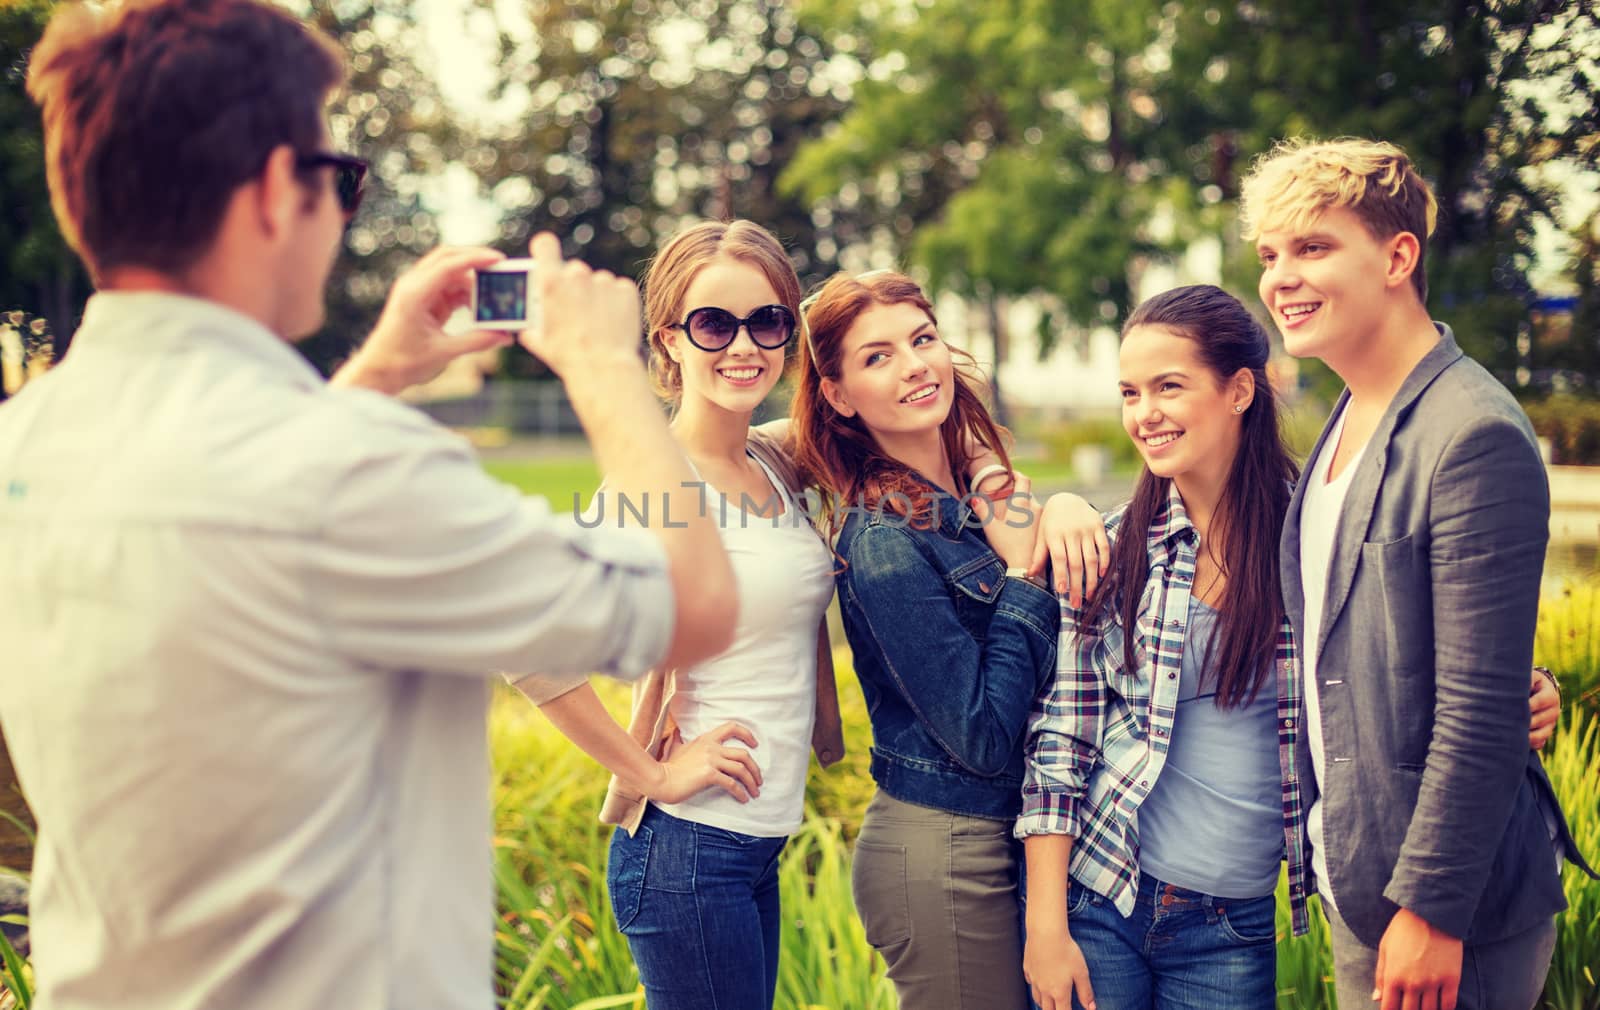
x=1170 y=526
x=162 y=322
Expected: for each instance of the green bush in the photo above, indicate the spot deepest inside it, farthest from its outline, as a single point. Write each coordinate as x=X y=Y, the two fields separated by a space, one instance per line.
x=1305 y=966
x=1568 y=641
x=1572 y=425
x=1059 y=440
x=16 y=975
x=15 y=978
x=1301 y=422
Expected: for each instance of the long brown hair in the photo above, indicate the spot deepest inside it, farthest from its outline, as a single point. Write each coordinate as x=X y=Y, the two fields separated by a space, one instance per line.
x=674 y=268
x=838 y=453
x=1249 y=517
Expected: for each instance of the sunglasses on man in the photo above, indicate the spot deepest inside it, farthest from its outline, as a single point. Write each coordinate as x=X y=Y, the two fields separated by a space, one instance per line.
x=349 y=177
x=712 y=329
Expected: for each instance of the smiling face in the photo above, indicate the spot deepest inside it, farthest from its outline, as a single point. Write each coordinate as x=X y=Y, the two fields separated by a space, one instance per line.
x=1180 y=414
x=738 y=377
x=895 y=373
x=1328 y=286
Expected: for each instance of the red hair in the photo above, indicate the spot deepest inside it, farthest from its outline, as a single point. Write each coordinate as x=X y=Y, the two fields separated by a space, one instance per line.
x=839 y=454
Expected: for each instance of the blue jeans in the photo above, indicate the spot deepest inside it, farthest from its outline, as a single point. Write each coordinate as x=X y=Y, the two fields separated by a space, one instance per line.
x=699 y=906
x=1179 y=950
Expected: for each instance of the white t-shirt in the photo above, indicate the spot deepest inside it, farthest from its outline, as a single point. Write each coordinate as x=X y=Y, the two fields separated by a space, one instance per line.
x=248 y=624
x=1320 y=510
x=767 y=680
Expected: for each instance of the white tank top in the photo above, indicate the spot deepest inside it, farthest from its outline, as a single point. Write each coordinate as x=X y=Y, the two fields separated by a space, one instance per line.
x=767 y=680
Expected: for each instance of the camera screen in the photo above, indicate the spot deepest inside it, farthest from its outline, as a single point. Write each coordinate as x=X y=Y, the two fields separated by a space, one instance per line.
x=502 y=297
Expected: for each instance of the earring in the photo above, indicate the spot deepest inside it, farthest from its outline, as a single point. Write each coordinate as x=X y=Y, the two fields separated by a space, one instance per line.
x=1239 y=409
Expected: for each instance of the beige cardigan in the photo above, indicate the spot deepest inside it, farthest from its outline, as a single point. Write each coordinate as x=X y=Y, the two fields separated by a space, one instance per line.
x=651 y=724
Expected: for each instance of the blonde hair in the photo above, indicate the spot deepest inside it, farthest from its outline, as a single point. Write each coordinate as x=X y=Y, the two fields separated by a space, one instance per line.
x=674 y=268
x=1299 y=179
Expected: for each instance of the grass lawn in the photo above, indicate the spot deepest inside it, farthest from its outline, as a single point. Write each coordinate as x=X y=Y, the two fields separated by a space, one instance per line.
x=556 y=478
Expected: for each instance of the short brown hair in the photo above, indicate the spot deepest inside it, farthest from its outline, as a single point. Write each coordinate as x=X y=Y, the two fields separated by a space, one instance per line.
x=666 y=283
x=155 y=111
x=1299 y=179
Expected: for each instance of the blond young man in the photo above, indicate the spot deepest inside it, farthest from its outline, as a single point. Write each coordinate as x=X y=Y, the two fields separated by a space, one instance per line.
x=251 y=617
x=1411 y=559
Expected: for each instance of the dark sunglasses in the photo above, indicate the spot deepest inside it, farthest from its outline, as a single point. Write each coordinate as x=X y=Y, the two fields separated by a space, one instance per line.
x=711 y=329
x=349 y=177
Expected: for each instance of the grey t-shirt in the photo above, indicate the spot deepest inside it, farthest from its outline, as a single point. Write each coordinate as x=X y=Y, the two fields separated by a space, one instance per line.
x=1213 y=822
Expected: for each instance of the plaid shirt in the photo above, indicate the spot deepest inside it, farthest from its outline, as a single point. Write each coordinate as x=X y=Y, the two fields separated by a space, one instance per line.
x=1099 y=734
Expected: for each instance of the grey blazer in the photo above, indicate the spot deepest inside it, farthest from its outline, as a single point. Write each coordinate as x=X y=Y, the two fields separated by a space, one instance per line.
x=1431 y=798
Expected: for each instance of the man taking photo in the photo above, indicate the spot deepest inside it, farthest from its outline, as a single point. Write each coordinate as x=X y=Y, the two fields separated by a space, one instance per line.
x=252 y=615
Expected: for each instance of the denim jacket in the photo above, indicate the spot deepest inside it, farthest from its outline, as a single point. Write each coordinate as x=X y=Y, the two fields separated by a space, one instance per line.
x=949 y=653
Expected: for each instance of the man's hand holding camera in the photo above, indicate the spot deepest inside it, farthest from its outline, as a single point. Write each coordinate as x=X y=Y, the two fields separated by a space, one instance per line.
x=590 y=318
x=409 y=345
x=589 y=323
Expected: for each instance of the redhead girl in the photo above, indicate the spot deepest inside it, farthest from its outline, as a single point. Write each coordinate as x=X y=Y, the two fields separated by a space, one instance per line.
x=952 y=636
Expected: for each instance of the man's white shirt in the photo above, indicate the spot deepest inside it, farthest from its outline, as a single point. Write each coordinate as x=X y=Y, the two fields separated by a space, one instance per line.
x=1320 y=510
x=248 y=622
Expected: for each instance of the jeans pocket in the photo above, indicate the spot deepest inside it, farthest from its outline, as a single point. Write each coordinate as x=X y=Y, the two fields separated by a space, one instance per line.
x=1249 y=921
x=1077 y=898
x=878 y=884
x=625 y=870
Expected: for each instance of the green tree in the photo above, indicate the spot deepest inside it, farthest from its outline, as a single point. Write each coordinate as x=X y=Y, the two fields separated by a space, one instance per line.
x=640 y=115
x=1583 y=337
x=39 y=273
x=1484 y=97
x=1053 y=150
x=1014 y=143
x=391 y=113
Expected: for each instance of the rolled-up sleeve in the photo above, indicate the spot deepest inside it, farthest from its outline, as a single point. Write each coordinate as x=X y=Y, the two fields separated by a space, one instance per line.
x=424 y=562
x=1064 y=732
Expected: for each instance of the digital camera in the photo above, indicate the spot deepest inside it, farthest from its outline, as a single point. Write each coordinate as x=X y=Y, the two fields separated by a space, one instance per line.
x=503 y=296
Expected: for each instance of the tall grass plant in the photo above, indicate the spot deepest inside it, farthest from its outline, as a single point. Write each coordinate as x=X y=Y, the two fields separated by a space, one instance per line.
x=1568 y=640
x=1573 y=761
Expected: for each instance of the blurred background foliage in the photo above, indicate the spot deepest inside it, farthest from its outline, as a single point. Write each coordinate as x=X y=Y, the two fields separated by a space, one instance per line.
x=1014 y=149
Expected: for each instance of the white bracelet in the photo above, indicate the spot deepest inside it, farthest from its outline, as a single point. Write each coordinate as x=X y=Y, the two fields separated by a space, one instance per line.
x=984 y=473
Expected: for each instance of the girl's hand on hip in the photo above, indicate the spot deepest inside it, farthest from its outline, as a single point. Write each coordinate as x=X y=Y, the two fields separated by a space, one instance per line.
x=1544 y=707
x=710 y=761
